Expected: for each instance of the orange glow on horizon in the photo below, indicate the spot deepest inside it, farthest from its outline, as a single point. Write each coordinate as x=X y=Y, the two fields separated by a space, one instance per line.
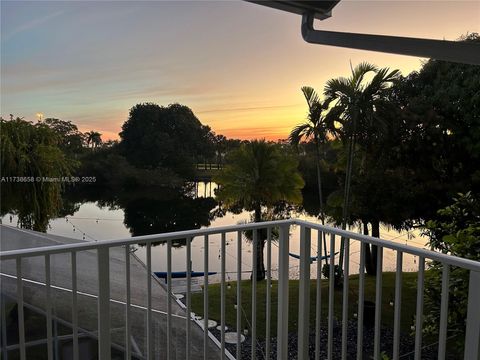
x=250 y=133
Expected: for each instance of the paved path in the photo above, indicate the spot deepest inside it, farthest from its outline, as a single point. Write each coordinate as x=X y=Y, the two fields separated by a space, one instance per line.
x=33 y=269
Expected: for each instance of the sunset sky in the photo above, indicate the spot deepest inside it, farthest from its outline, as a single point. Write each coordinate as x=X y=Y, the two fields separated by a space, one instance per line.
x=237 y=65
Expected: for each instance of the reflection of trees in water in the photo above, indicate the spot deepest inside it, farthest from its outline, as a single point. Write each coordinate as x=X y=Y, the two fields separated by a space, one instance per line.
x=33 y=213
x=152 y=210
x=172 y=212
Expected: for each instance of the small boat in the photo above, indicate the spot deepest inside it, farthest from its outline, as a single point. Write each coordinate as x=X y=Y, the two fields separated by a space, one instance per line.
x=312 y=258
x=181 y=274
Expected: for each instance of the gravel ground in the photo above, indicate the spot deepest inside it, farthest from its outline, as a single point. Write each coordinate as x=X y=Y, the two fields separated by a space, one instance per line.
x=386 y=344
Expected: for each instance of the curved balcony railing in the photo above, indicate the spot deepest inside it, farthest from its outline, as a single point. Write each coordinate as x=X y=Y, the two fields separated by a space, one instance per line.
x=187 y=337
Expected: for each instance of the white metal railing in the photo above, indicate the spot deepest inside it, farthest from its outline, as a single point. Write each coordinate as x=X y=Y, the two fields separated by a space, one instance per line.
x=283 y=228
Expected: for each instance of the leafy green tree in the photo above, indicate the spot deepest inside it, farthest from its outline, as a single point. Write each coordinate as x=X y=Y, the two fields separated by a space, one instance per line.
x=455 y=231
x=355 y=101
x=316 y=129
x=70 y=138
x=259 y=174
x=112 y=171
x=33 y=152
x=170 y=137
x=441 y=102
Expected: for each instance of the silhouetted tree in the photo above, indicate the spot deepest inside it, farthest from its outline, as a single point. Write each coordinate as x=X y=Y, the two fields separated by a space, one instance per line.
x=170 y=137
x=31 y=152
x=355 y=101
x=259 y=174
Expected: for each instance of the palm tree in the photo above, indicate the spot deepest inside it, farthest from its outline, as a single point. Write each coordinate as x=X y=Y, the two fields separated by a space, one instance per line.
x=94 y=138
x=316 y=129
x=355 y=100
x=97 y=139
x=259 y=174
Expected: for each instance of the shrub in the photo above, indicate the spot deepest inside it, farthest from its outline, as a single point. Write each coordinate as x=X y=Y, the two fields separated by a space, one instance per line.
x=456 y=231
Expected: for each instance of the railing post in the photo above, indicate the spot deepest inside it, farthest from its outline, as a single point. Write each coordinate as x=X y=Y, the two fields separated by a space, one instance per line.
x=331 y=296
x=239 y=294
x=3 y=319
x=283 y=273
x=378 y=305
x=419 y=313
x=103 y=257
x=442 y=336
x=223 y=291
x=269 y=291
x=255 y=269
x=205 y=297
x=472 y=337
x=48 y=305
x=304 y=296
x=21 y=321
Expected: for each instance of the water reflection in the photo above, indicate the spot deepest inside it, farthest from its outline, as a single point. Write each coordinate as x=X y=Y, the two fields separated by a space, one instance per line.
x=166 y=212
x=155 y=210
x=97 y=214
x=34 y=204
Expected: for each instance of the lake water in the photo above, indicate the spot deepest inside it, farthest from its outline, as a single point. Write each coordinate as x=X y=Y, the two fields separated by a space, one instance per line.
x=97 y=221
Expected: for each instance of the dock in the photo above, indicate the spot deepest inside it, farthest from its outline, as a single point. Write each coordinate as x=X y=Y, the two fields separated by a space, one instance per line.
x=33 y=275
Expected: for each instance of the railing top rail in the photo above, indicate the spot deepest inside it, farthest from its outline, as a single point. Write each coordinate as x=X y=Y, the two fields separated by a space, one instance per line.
x=428 y=254
x=82 y=246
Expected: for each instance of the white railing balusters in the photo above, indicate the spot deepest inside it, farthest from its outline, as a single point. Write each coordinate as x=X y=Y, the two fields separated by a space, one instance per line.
x=472 y=335
x=21 y=319
x=188 y=297
x=254 y=294
x=74 y=306
x=104 y=341
x=442 y=336
x=150 y=339
x=239 y=295
x=361 y=300
x=3 y=319
x=398 y=306
x=169 y=299
x=269 y=292
x=378 y=304
x=128 y=342
x=318 y=303
x=331 y=296
x=222 y=296
x=346 y=275
x=283 y=273
x=304 y=294
x=205 y=297
x=419 y=311
x=48 y=307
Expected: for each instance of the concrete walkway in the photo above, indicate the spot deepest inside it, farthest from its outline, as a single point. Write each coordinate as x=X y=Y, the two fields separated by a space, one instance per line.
x=34 y=293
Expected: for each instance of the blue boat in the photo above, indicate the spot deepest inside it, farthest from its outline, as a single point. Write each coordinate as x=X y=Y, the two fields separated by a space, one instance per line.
x=181 y=274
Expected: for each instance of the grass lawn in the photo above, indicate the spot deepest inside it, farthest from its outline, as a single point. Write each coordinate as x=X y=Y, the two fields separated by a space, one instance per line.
x=409 y=292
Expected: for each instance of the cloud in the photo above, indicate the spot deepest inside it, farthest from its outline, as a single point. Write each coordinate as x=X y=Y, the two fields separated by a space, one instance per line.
x=32 y=24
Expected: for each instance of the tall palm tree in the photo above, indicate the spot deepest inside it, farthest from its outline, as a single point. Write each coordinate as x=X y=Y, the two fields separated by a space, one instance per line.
x=259 y=174
x=354 y=102
x=93 y=138
x=96 y=139
x=314 y=128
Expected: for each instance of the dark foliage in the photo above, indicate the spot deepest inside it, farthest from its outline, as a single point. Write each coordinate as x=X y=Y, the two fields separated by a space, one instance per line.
x=167 y=137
